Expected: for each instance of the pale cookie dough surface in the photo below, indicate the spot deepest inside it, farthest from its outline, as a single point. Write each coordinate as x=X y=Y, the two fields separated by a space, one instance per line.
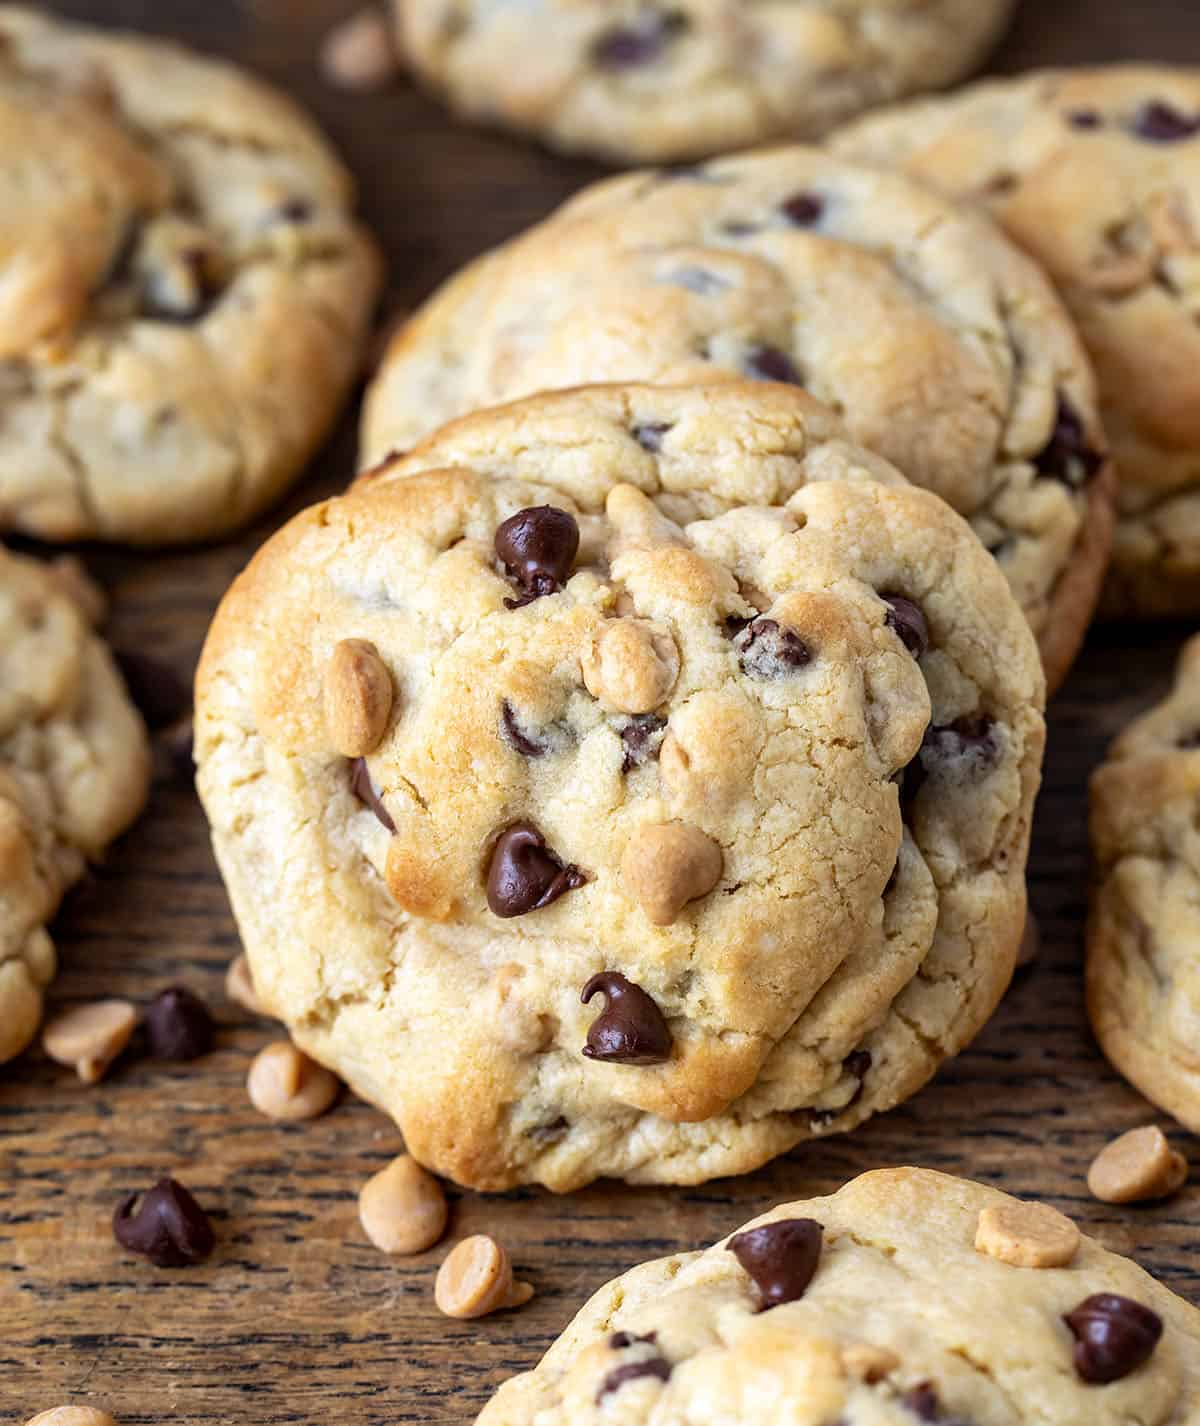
x=1143 y=968
x=74 y=771
x=853 y=936
x=903 y=1322
x=652 y=82
x=1096 y=173
x=184 y=293
x=943 y=347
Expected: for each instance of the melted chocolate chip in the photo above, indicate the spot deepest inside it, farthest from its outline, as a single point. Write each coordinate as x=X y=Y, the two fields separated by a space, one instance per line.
x=781 y=1258
x=770 y=364
x=1113 y=1336
x=511 y=733
x=170 y=1228
x=1085 y=119
x=524 y=874
x=364 y=789
x=1162 y=123
x=537 y=547
x=768 y=650
x=631 y=46
x=1067 y=455
x=178 y=1025
x=803 y=209
x=734 y=624
x=907 y=622
x=630 y=1030
x=640 y=738
x=649 y=436
x=161 y=695
x=967 y=741
x=922 y=1400
x=657 y=1367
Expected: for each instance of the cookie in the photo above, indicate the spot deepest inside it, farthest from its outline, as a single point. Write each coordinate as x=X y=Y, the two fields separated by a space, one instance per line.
x=881 y=1305
x=942 y=346
x=1143 y=969
x=654 y=82
x=630 y=782
x=74 y=770
x=1096 y=173
x=186 y=293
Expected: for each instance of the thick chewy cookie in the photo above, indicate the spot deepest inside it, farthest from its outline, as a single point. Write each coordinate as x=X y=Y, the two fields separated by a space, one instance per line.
x=74 y=770
x=1097 y=174
x=652 y=81
x=942 y=346
x=1143 y=968
x=906 y=1297
x=632 y=781
x=185 y=293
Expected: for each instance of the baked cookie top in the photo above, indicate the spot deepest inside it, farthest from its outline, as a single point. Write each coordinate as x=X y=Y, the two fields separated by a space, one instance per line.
x=74 y=770
x=568 y=752
x=1097 y=174
x=648 y=82
x=185 y=290
x=908 y=1296
x=1143 y=970
x=943 y=348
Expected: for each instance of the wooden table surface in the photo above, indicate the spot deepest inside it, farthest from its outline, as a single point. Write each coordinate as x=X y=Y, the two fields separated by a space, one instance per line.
x=296 y=1318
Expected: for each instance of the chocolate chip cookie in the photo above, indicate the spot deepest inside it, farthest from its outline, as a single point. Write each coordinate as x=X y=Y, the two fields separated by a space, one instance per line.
x=186 y=294
x=900 y=1299
x=632 y=781
x=647 y=82
x=941 y=345
x=74 y=770
x=1143 y=967
x=1097 y=174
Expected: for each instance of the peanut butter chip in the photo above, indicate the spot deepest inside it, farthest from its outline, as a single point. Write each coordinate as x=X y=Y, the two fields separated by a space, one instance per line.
x=477 y=1279
x=402 y=1208
x=284 y=1083
x=631 y=665
x=1027 y=1235
x=358 y=698
x=1137 y=1166
x=71 y=1416
x=239 y=987
x=665 y=867
x=90 y=1037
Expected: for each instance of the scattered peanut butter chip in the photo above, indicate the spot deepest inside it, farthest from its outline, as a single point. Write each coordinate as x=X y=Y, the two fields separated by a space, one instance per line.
x=360 y=53
x=90 y=1037
x=284 y=1083
x=1137 y=1166
x=476 y=1278
x=402 y=1208
x=865 y=1362
x=665 y=867
x=71 y=1416
x=239 y=987
x=1027 y=1235
x=358 y=698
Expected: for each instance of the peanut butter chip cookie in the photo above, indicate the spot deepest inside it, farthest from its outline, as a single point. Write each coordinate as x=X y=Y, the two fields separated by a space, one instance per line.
x=1097 y=174
x=185 y=291
x=74 y=771
x=870 y=1308
x=1143 y=965
x=557 y=937
x=788 y=266
x=679 y=78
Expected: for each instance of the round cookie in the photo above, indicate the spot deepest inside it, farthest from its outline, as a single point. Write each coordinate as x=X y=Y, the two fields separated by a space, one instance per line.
x=651 y=82
x=74 y=771
x=186 y=294
x=1097 y=174
x=651 y=869
x=1143 y=969
x=876 y=1307
x=944 y=348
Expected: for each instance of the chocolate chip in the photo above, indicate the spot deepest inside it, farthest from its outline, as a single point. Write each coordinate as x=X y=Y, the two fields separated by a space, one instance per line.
x=620 y=1340
x=641 y=741
x=512 y=735
x=768 y=650
x=1067 y=455
x=1085 y=119
x=1162 y=123
x=537 y=547
x=734 y=624
x=363 y=788
x=170 y=1228
x=296 y=210
x=907 y=622
x=524 y=874
x=644 y=42
x=630 y=1030
x=781 y=1258
x=856 y=1063
x=178 y=1025
x=649 y=436
x=803 y=209
x=967 y=744
x=159 y=692
x=922 y=1401
x=770 y=364
x=1113 y=1336
x=657 y=1367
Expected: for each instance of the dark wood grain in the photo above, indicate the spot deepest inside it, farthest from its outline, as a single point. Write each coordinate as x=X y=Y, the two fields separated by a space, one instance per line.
x=296 y=1318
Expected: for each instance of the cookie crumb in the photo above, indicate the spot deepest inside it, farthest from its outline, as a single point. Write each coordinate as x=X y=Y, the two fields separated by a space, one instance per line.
x=1137 y=1166
x=285 y=1084
x=476 y=1278
x=402 y=1208
x=90 y=1037
x=360 y=54
x=1027 y=1235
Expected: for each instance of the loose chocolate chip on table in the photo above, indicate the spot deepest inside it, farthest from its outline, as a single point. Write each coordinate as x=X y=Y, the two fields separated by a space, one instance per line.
x=907 y=621
x=160 y=694
x=780 y=1257
x=803 y=209
x=640 y=738
x=1161 y=123
x=524 y=874
x=178 y=1025
x=537 y=547
x=1067 y=455
x=770 y=364
x=364 y=789
x=629 y=46
x=631 y=1029
x=657 y=1367
x=768 y=650
x=649 y=436
x=170 y=1228
x=1113 y=1336
x=512 y=735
